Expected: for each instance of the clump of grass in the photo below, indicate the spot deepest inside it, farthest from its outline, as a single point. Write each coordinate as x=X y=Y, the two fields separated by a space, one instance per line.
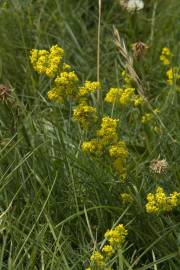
x=56 y=201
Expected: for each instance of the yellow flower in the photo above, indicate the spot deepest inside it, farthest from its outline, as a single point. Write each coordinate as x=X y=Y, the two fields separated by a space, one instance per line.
x=118 y=165
x=151 y=207
x=92 y=147
x=123 y=96
x=138 y=101
x=65 y=86
x=146 y=118
x=164 y=60
x=126 y=96
x=88 y=88
x=66 y=67
x=55 y=96
x=165 y=56
x=166 y=51
x=108 y=133
x=67 y=83
x=113 y=95
x=56 y=51
x=126 y=198
x=172 y=75
x=47 y=62
x=108 y=250
x=160 y=202
x=174 y=199
x=50 y=63
x=97 y=260
x=54 y=60
x=156 y=111
x=116 y=236
x=127 y=79
x=149 y=117
x=85 y=115
x=41 y=62
x=160 y=196
x=34 y=57
x=119 y=150
x=65 y=78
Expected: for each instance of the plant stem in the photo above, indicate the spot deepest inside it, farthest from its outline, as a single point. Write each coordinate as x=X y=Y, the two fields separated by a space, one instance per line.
x=99 y=94
x=120 y=257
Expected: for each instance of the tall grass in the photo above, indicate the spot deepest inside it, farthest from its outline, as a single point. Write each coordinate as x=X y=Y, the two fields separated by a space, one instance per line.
x=55 y=202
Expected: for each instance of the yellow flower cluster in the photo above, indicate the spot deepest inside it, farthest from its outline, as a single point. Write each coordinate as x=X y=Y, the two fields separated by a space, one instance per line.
x=118 y=165
x=138 y=101
x=106 y=135
x=160 y=202
x=93 y=147
x=108 y=250
x=173 y=74
x=85 y=115
x=126 y=96
x=107 y=141
x=47 y=62
x=97 y=260
x=126 y=78
x=170 y=76
x=66 y=84
x=95 y=268
x=116 y=236
x=113 y=95
x=123 y=96
x=107 y=132
x=148 y=117
x=119 y=153
x=66 y=67
x=118 y=150
x=88 y=88
x=126 y=198
x=165 y=56
x=55 y=96
x=50 y=63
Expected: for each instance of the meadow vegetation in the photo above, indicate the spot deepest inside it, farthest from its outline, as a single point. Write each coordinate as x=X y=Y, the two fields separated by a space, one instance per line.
x=89 y=135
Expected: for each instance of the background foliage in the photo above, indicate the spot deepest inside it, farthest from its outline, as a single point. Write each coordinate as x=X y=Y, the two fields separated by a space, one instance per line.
x=54 y=200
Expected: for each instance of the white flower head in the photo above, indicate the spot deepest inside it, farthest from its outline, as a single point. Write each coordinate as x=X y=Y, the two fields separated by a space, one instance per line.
x=158 y=165
x=132 y=5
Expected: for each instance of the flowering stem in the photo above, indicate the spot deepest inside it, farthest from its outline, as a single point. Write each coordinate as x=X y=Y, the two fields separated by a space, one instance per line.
x=153 y=21
x=98 y=52
x=120 y=257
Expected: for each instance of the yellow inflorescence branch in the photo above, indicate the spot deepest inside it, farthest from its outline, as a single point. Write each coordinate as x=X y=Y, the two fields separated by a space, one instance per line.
x=100 y=259
x=160 y=202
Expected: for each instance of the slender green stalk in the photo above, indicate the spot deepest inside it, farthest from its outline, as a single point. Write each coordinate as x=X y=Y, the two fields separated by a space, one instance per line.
x=99 y=94
x=120 y=258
